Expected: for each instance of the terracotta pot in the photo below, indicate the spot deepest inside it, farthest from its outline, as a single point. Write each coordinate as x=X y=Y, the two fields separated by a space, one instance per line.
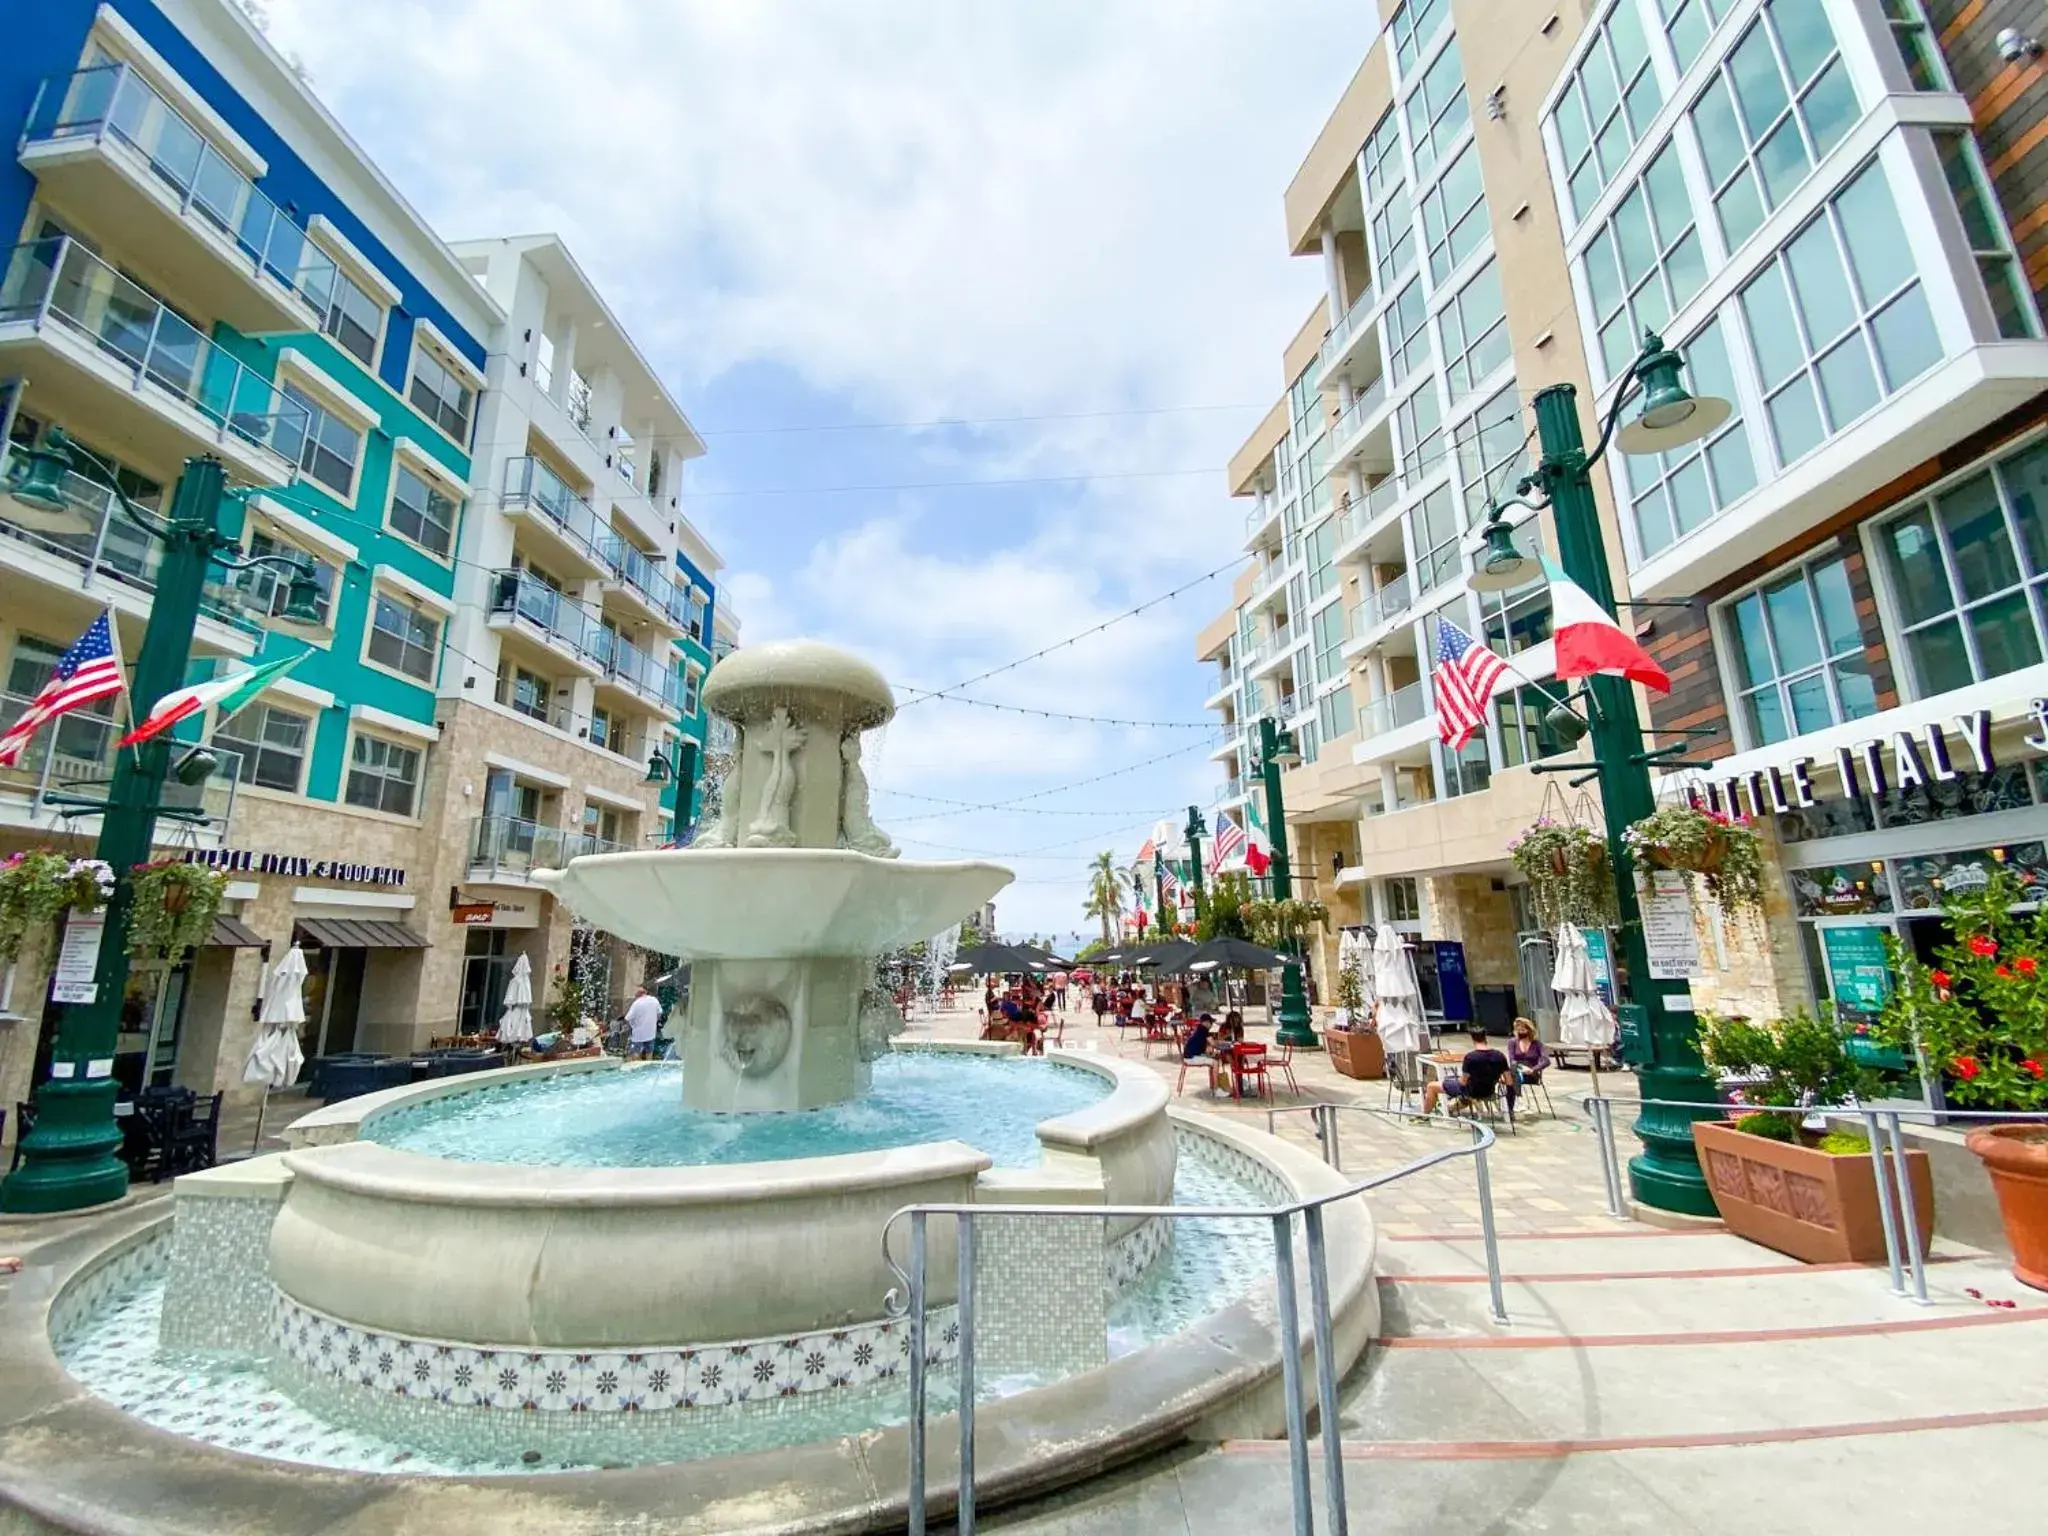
x=177 y=896
x=1811 y=1204
x=2016 y=1157
x=1558 y=864
x=1356 y=1052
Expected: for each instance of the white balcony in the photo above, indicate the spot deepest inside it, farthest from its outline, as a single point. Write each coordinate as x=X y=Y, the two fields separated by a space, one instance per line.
x=1276 y=650
x=1262 y=523
x=1226 y=682
x=531 y=612
x=561 y=521
x=641 y=677
x=1352 y=349
x=1376 y=613
x=1363 y=435
x=1363 y=530
x=1269 y=580
x=636 y=582
x=1397 y=727
x=1230 y=736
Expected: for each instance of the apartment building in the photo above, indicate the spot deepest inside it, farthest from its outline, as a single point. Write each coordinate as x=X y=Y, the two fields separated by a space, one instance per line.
x=205 y=263
x=1816 y=202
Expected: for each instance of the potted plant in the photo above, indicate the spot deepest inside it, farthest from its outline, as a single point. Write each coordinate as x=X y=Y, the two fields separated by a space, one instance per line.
x=39 y=885
x=172 y=906
x=1979 y=1017
x=1354 y=1045
x=1568 y=872
x=1703 y=844
x=1808 y=1194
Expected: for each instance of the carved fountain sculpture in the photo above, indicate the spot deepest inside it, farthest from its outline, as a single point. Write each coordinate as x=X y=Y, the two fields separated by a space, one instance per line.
x=783 y=904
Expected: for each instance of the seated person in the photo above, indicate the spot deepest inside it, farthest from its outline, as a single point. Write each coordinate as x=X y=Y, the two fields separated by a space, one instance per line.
x=1476 y=1078
x=1232 y=1031
x=1526 y=1051
x=1196 y=1045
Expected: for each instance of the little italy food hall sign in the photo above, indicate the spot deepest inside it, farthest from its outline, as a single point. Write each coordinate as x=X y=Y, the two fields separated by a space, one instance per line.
x=300 y=866
x=1870 y=769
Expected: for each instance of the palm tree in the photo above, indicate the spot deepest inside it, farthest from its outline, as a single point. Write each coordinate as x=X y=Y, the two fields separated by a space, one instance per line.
x=1105 y=894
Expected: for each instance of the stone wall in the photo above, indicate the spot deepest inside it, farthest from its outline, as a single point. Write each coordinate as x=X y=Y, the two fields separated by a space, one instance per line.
x=1475 y=910
x=1754 y=965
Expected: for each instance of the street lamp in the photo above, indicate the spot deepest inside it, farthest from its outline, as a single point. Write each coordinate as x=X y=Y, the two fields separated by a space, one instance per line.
x=1277 y=750
x=1196 y=829
x=67 y=1161
x=1666 y=1174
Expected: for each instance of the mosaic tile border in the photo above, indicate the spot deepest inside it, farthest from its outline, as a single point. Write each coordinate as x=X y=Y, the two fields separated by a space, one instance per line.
x=1214 y=1152
x=137 y=1260
x=1127 y=1260
x=601 y=1381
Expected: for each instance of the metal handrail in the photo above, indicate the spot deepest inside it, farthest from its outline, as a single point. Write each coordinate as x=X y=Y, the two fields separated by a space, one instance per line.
x=908 y=1301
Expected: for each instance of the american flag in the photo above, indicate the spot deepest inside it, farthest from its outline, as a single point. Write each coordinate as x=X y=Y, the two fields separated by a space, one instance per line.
x=1227 y=844
x=90 y=670
x=1464 y=678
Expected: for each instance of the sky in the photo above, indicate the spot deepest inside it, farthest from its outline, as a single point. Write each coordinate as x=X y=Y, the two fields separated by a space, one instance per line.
x=1052 y=226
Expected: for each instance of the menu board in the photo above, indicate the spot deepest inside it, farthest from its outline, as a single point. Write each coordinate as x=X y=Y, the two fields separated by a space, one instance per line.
x=1859 y=971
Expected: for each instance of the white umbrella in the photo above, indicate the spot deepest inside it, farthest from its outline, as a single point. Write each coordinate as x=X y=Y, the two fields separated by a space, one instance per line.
x=275 y=1058
x=1354 y=954
x=1400 y=995
x=1582 y=1019
x=515 y=1024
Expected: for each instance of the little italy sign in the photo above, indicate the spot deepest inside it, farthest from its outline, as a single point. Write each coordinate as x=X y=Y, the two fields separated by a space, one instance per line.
x=1872 y=768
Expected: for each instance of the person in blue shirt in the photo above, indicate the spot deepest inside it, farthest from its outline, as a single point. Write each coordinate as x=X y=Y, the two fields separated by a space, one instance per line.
x=1196 y=1045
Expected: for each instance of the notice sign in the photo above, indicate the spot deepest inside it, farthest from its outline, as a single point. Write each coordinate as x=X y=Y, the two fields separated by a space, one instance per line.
x=1858 y=968
x=1668 y=932
x=71 y=981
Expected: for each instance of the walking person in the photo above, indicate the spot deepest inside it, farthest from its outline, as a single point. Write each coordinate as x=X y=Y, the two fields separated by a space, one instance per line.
x=643 y=1019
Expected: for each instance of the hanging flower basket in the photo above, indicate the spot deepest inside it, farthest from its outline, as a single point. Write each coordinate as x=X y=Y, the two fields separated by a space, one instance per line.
x=37 y=886
x=173 y=907
x=1568 y=872
x=1706 y=845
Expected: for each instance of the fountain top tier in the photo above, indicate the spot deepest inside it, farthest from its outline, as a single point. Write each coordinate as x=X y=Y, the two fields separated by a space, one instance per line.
x=811 y=680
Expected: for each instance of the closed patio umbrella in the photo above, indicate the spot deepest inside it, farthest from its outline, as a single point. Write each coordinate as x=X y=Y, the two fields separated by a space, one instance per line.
x=1399 y=993
x=515 y=1024
x=1582 y=1019
x=275 y=1058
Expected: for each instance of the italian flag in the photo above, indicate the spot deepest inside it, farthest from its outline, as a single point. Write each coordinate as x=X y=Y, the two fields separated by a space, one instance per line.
x=1589 y=642
x=230 y=692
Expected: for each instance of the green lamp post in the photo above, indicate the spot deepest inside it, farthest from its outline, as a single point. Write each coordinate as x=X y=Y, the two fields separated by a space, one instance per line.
x=1660 y=1030
x=1277 y=750
x=1196 y=830
x=68 y=1161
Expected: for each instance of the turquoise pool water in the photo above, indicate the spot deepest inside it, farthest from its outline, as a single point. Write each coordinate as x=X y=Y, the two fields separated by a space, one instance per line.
x=635 y=1118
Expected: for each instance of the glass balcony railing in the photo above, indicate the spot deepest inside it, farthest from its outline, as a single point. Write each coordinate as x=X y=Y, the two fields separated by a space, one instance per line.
x=1228 y=733
x=1390 y=601
x=530 y=483
x=111 y=101
x=59 y=282
x=640 y=572
x=1342 y=332
x=523 y=596
x=1362 y=514
x=516 y=846
x=1404 y=706
x=1352 y=421
x=639 y=669
x=1228 y=790
x=76 y=752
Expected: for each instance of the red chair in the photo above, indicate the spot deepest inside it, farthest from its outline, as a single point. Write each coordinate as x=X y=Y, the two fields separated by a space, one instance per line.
x=1248 y=1064
x=1283 y=1062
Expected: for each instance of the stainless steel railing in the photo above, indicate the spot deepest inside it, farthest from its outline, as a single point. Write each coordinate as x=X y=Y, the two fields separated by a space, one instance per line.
x=907 y=1300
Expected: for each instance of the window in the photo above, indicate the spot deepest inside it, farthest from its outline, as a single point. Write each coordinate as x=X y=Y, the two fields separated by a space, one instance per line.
x=1778 y=102
x=1689 y=23
x=1466 y=771
x=1437 y=110
x=1986 y=232
x=421 y=512
x=1393 y=235
x=1644 y=263
x=1328 y=628
x=1335 y=716
x=353 y=319
x=1413 y=25
x=544 y=363
x=1400 y=900
x=604 y=731
x=1433 y=535
x=1969 y=574
x=440 y=396
x=265 y=588
x=1606 y=105
x=1676 y=492
x=84 y=734
x=382 y=775
x=1419 y=425
x=272 y=745
x=526 y=693
x=1454 y=214
x=1827 y=349
x=1322 y=576
x=692 y=681
x=404 y=638
x=1516 y=620
x=1525 y=733
x=1382 y=156
x=323 y=446
x=1475 y=332
x=1916 y=45
x=1491 y=452
x=1407 y=333
x=577 y=405
x=1799 y=654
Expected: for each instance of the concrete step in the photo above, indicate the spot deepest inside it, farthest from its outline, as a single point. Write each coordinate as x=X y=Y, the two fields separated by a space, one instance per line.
x=1629 y=1250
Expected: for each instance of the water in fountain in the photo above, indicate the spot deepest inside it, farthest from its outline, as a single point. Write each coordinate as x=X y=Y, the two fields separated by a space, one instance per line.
x=939 y=951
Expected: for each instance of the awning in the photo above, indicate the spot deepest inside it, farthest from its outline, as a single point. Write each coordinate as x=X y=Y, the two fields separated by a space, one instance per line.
x=357 y=933
x=233 y=933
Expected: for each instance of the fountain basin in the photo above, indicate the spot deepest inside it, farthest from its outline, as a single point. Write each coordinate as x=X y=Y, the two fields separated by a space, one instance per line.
x=769 y=903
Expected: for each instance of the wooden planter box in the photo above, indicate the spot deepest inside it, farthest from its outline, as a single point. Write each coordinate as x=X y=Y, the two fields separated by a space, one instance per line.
x=1802 y=1201
x=1356 y=1052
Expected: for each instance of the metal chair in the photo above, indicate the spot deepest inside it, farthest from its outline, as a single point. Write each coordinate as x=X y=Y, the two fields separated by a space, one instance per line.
x=1281 y=1059
x=1535 y=1087
x=1404 y=1078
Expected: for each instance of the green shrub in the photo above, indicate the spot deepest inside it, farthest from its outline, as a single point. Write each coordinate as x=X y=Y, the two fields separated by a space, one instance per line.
x=1844 y=1142
x=1770 y=1127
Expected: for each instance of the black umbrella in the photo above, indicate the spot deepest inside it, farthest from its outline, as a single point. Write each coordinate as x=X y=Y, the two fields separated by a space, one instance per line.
x=1229 y=955
x=1044 y=957
x=997 y=959
x=1166 y=954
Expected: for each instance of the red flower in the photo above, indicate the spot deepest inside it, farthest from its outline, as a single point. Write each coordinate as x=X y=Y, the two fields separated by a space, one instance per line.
x=2036 y=1068
x=1939 y=978
x=2025 y=965
x=1984 y=945
x=2003 y=972
x=1966 y=1067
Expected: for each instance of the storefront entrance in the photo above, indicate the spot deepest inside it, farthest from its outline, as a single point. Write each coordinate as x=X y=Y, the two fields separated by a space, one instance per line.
x=152 y=1016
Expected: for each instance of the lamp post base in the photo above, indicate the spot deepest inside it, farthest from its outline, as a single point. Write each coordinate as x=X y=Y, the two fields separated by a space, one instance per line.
x=68 y=1160
x=1666 y=1175
x=1293 y=1016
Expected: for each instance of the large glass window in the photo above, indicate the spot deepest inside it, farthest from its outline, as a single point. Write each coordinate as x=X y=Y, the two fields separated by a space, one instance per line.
x=1393 y=234
x=383 y=776
x=272 y=745
x=1419 y=424
x=1525 y=733
x=1437 y=110
x=440 y=396
x=352 y=318
x=1969 y=575
x=404 y=638
x=1466 y=771
x=1644 y=263
x=1676 y=492
x=1490 y=453
x=1475 y=332
x=1407 y=333
x=1799 y=654
x=1454 y=214
x=1689 y=23
x=1433 y=535
x=266 y=588
x=1413 y=25
x=1916 y=44
x=1335 y=714
x=1316 y=549
x=324 y=446
x=1838 y=320
x=1606 y=105
x=421 y=512
x=1778 y=102
x=1400 y=900
x=1986 y=232
x=1328 y=628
